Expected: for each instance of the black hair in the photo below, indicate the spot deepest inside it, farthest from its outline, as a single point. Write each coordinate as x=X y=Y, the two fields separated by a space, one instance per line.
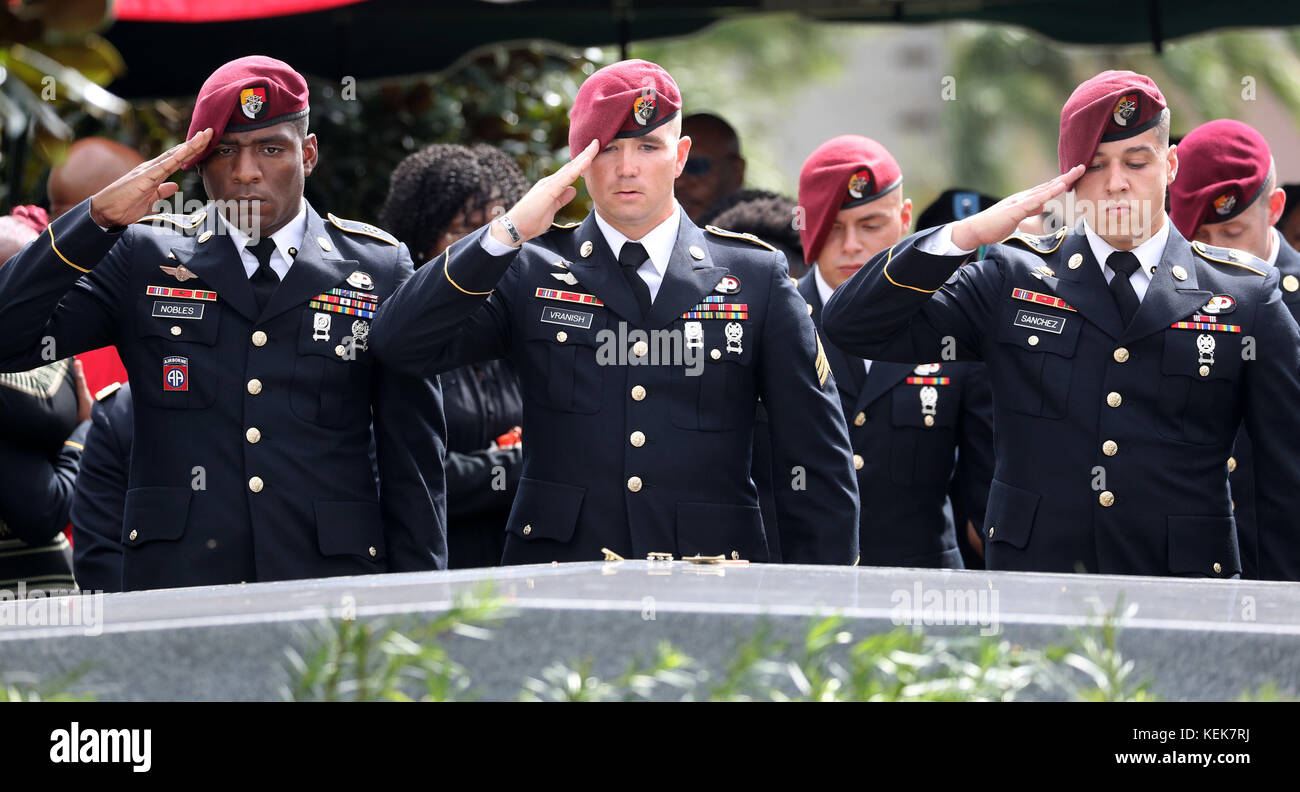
x=430 y=187
x=770 y=217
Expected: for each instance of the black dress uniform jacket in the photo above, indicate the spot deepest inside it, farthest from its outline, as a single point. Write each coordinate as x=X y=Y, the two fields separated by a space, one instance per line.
x=100 y=497
x=905 y=464
x=642 y=458
x=1112 y=443
x=250 y=462
x=1242 y=463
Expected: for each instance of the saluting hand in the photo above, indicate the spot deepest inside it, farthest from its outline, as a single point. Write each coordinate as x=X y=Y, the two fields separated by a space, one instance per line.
x=133 y=196
x=997 y=222
x=535 y=212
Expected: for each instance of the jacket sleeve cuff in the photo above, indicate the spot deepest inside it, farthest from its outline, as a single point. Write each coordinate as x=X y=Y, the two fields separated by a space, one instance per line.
x=922 y=271
x=77 y=240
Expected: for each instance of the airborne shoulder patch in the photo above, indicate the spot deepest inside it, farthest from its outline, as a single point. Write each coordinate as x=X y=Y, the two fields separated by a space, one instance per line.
x=722 y=232
x=1230 y=256
x=1045 y=243
x=181 y=221
x=365 y=229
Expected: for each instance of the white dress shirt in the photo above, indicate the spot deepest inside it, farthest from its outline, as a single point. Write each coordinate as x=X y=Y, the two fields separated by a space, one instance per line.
x=1148 y=253
x=658 y=243
x=288 y=237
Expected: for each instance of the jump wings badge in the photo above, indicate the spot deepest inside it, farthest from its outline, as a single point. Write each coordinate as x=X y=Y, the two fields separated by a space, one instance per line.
x=179 y=272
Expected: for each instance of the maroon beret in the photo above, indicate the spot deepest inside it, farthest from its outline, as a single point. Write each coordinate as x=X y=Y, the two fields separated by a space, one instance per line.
x=843 y=172
x=1114 y=105
x=245 y=94
x=622 y=100
x=1222 y=167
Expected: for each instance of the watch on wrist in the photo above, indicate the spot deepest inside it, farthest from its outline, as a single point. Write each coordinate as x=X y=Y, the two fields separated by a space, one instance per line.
x=510 y=229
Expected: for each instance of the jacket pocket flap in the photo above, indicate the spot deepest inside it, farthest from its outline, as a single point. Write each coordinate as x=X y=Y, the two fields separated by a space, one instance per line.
x=155 y=513
x=1011 y=512
x=1203 y=546
x=712 y=529
x=546 y=510
x=350 y=528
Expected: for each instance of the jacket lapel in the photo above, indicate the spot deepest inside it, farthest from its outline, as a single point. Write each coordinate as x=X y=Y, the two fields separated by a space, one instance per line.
x=1084 y=287
x=211 y=255
x=313 y=271
x=1168 y=299
x=599 y=272
x=686 y=279
x=880 y=379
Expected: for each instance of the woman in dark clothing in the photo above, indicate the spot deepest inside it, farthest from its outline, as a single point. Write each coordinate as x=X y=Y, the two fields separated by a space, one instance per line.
x=436 y=196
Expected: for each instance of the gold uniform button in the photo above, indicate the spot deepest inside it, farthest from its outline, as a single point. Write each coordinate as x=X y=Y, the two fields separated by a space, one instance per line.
x=253 y=434
x=640 y=348
x=528 y=529
x=259 y=338
x=133 y=535
x=1114 y=399
x=1121 y=355
x=929 y=420
x=1110 y=448
x=735 y=555
x=176 y=329
x=638 y=439
x=562 y=336
x=809 y=308
x=1217 y=568
x=634 y=483
x=715 y=354
x=255 y=484
x=858 y=462
x=1106 y=498
x=859 y=419
x=1204 y=371
x=373 y=552
x=638 y=393
x=1232 y=464
x=1033 y=340
x=992 y=530
x=255 y=386
x=1075 y=261
x=339 y=350
x=1291 y=283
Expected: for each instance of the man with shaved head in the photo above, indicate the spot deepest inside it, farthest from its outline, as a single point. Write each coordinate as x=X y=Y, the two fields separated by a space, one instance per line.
x=92 y=164
x=714 y=169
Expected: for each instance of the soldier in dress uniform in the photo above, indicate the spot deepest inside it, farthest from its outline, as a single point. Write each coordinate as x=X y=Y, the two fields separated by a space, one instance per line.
x=917 y=426
x=244 y=328
x=1227 y=195
x=642 y=344
x=99 y=498
x=1119 y=375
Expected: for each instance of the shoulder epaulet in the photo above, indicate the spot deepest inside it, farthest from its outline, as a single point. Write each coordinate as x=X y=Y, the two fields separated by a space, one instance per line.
x=365 y=229
x=747 y=237
x=107 y=391
x=184 y=221
x=565 y=226
x=1230 y=256
x=1041 y=243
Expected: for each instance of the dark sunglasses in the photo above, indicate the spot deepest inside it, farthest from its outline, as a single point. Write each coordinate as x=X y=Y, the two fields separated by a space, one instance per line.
x=698 y=166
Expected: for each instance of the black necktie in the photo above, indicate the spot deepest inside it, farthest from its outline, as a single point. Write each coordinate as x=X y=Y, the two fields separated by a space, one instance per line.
x=631 y=257
x=1124 y=264
x=264 y=280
